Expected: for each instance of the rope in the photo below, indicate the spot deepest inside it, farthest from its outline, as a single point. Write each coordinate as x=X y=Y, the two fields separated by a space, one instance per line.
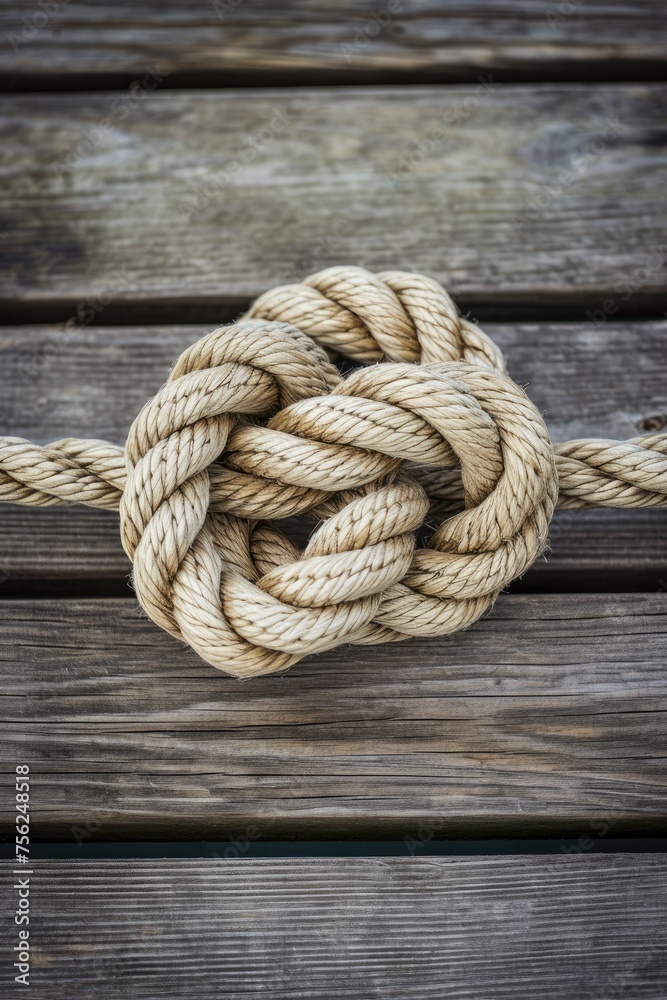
x=255 y=424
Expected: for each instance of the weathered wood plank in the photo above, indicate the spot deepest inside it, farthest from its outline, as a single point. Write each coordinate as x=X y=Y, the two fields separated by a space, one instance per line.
x=529 y=928
x=364 y=40
x=548 y=194
x=609 y=381
x=548 y=716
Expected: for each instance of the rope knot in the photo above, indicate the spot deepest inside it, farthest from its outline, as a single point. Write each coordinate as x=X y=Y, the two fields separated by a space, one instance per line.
x=256 y=425
x=426 y=438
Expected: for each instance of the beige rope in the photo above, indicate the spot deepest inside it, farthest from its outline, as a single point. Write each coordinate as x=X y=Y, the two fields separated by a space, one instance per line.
x=255 y=424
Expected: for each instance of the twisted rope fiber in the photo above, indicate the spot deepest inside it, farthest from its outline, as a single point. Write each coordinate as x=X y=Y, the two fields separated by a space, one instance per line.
x=255 y=424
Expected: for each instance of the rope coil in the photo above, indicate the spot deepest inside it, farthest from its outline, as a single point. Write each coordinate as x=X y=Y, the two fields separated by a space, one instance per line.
x=255 y=424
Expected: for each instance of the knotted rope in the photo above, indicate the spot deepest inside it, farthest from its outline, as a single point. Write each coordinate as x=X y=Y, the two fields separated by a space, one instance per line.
x=255 y=424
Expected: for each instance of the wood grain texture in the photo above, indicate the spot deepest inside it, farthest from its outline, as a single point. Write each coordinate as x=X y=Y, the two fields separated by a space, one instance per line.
x=530 y=928
x=609 y=381
x=545 y=717
x=588 y=380
x=149 y=212
x=254 y=38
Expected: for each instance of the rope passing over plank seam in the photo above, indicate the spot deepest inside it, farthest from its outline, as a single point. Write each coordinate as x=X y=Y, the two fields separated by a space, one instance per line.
x=255 y=424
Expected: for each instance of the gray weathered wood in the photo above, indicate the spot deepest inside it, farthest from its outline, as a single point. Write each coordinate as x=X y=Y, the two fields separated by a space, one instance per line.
x=610 y=382
x=588 y=380
x=148 y=212
x=532 y=928
x=545 y=717
x=253 y=37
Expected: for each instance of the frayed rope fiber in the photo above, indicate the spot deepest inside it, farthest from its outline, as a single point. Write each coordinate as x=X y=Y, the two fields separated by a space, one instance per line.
x=256 y=424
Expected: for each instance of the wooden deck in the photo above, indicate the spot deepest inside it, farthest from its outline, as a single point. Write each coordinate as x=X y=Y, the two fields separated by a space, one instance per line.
x=542 y=718
x=517 y=156
x=258 y=42
x=536 y=196
x=402 y=928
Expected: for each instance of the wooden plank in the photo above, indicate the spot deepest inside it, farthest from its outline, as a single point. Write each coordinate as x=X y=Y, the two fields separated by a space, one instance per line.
x=547 y=716
x=550 y=194
x=609 y=381
x=406 y=928
x=250 y=38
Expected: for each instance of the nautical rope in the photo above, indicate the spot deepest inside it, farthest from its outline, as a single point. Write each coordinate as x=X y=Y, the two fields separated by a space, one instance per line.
x=255 y=424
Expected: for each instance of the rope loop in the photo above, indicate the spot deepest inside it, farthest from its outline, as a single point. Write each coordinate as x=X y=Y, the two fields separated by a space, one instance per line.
x=256 y=425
